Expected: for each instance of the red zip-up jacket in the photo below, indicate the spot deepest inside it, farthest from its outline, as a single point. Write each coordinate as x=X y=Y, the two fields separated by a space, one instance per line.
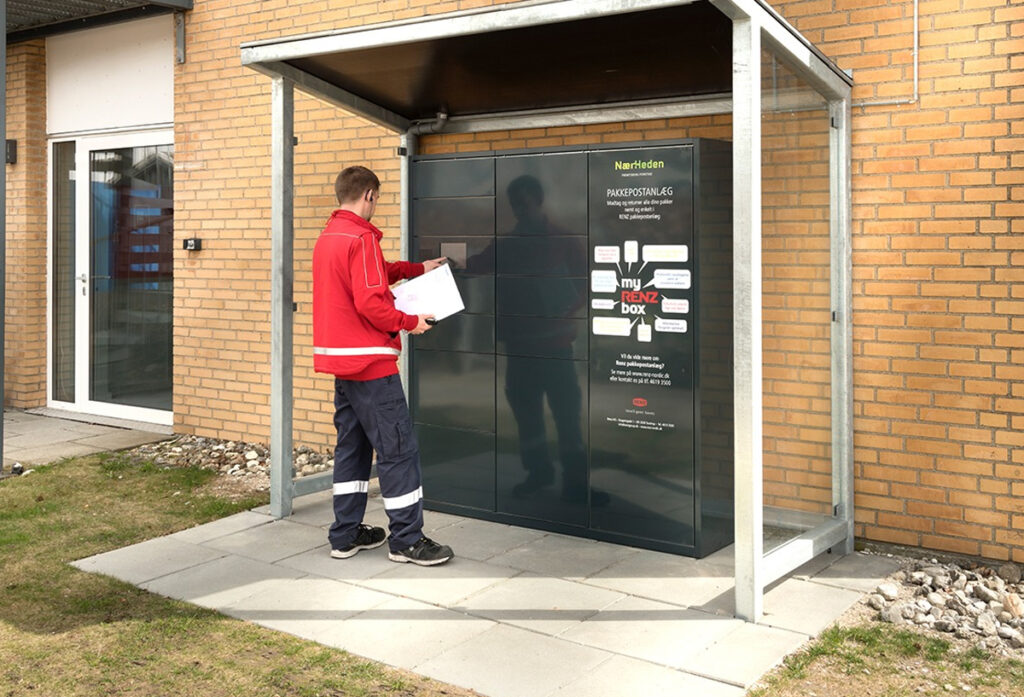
x=355 y=323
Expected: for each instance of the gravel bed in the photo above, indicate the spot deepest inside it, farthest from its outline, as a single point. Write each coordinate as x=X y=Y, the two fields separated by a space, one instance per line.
x=974 y=603
x=247 y=463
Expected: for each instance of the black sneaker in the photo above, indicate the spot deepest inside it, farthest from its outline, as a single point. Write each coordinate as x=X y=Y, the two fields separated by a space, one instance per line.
x=366 y=538
x=426 y=552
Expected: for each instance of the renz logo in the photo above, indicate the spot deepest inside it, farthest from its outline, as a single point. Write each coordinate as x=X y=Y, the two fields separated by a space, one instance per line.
x=639 y=402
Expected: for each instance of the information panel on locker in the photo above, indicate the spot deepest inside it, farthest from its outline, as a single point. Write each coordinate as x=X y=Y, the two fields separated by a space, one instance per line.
x=642 y=302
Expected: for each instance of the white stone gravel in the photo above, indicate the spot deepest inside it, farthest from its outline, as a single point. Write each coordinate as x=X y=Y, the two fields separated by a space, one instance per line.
x=248 y=461
x=977 y=603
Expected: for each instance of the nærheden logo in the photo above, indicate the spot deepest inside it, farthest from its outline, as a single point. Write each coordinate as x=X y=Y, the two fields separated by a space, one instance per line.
x=639 y=164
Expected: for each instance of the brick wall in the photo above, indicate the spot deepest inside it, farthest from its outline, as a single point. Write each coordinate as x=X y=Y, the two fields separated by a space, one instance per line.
x=222 y=192
x=937 y=311
x=25 y=329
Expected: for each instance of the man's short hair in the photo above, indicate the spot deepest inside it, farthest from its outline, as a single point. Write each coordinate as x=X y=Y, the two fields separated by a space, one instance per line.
x=353 y=182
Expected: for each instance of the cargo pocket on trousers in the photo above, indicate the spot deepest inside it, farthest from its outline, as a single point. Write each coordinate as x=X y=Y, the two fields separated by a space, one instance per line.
x=394 y=430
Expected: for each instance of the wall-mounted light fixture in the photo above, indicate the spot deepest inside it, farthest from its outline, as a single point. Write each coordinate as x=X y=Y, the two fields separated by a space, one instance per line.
x=11 y=154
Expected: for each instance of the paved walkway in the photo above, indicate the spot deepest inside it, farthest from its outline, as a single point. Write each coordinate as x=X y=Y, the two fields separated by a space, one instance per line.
x=39 y=438
x=517 y=613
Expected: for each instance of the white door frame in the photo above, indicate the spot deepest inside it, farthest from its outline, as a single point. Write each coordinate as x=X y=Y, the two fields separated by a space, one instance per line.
x=84 y=144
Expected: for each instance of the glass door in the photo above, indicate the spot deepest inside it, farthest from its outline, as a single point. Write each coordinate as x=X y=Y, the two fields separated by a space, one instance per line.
x=111 y=319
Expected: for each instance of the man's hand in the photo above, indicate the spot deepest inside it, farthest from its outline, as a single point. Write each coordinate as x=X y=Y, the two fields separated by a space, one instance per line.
x=431 y=264
x=421 y=324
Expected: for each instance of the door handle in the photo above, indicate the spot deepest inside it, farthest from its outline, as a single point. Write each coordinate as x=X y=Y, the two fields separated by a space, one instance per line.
x=84 y=279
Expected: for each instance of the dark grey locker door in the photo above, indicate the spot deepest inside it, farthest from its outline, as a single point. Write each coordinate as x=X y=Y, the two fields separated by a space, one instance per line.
x=452 y=367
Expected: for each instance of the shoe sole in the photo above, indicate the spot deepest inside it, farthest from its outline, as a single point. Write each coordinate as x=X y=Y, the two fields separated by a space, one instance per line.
x=401 y=559
x=338 y=554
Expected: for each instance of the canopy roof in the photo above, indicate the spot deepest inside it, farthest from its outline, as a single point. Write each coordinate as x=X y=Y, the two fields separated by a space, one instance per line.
x=29 y=19
x=663 y=53
x=518 y=57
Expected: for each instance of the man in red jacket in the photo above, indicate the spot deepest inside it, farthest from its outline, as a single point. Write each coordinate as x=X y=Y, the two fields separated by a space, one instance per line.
x=356 y=338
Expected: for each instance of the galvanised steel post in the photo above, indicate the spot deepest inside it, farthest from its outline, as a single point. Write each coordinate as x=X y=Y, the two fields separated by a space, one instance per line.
x=281 y=295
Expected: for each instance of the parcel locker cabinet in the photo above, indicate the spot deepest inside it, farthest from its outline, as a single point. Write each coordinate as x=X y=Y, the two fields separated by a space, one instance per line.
x=587 y=386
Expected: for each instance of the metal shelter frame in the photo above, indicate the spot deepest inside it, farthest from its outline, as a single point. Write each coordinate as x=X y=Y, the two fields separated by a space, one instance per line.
x=754 y=26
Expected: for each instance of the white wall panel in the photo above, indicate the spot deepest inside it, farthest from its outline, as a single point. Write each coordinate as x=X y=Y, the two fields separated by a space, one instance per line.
x=116 y=76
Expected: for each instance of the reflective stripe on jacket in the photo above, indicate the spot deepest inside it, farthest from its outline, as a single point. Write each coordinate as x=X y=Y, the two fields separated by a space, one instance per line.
x=355 y=324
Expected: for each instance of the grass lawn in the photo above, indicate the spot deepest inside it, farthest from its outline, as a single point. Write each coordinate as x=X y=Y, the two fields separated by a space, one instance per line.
x=883 y=660
x=66 y=632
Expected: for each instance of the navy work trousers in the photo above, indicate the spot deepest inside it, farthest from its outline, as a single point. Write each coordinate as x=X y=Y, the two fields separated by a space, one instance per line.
x=373 y=415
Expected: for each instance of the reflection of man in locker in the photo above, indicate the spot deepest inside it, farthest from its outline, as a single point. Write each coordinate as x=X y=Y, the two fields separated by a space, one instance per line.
x=529 y=380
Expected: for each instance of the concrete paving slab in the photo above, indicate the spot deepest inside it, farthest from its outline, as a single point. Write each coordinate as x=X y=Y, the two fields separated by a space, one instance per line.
x=219 y=583
x=539 y=603
x=725 y=557
x=857 y=572
x=441 y=585
x=563 y=557
x=219 y=528
x=271 y=542
x=651 y=631
x=85 y=428
x=620 y=676
x=812 y=567
x=313 y=499
x=666 y=577
x=744 y=654
x=723 y=604
x=316 y=510
x=512 y=662
x=119 y=439
x=804 y=606
x=483 y=540
x=64 y=417
x=404 y=633
x=147 y=560
x=41 y=427
x=30 y=441
x=19 y=417
x=46 y=454
x=304 y=607
x=434 y=521
x=318 y=561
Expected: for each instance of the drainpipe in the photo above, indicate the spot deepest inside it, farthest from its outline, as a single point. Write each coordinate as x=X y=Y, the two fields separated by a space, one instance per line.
x=913 y=100
x=435 y=126
x=407 y=146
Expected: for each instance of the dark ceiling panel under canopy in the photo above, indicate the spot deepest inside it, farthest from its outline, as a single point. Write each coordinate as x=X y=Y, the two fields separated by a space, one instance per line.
x=685 y=50
x=29 y=19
